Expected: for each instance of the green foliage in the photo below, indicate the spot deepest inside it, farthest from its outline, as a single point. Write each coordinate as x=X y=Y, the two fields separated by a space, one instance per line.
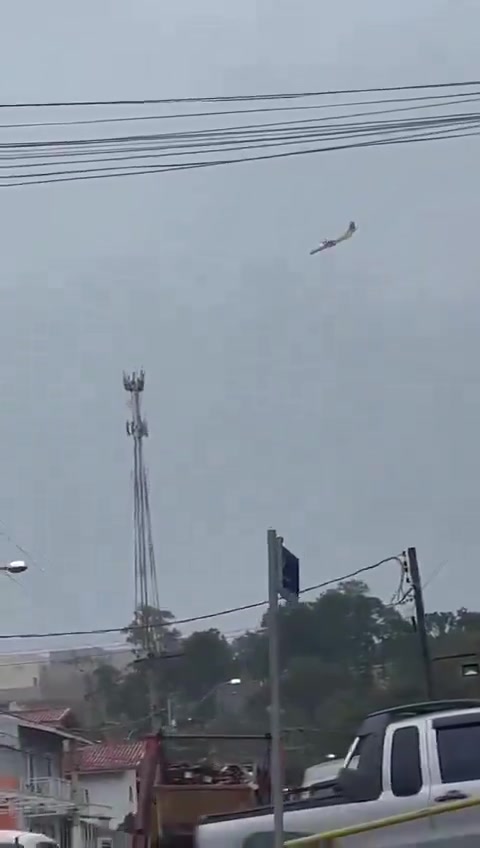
x=206 y=662
x=152 y=629
x=342 y=655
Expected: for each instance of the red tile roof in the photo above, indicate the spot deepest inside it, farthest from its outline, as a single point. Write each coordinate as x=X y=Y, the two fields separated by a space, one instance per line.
x=111 y=756
x=58 y=717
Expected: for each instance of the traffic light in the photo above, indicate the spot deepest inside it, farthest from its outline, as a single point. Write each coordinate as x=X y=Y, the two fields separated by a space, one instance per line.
x=290 y=576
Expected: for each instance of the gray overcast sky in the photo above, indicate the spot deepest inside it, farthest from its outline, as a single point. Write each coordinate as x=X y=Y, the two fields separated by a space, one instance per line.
x=336 y=398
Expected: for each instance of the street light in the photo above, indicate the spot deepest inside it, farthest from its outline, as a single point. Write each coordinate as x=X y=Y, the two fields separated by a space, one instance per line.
x=234 y=681
x=16 y=567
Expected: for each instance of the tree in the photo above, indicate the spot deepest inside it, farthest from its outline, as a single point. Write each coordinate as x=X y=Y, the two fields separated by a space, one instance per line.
x=251 y=654
x=158 y=646
x=106 y=693
x=207 y=660
x=119 y=700
x=343 y=655
x=153 y=626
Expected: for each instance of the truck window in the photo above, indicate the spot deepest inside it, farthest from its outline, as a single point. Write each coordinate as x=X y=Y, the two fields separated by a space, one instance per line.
x=459 y=752
x=362 y=768
x=352 y=759
x=406 y=770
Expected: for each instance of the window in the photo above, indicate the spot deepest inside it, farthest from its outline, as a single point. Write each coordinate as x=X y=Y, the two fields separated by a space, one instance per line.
x=30 y=767
x=362 y=770
x=353 y=757
x=459 y=752
x=406 y=768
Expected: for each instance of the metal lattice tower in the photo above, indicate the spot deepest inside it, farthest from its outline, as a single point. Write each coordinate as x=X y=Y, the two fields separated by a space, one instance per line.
x=146 y=585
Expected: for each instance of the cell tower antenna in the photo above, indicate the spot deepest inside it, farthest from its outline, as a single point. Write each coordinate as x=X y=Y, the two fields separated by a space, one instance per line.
x=146 y=584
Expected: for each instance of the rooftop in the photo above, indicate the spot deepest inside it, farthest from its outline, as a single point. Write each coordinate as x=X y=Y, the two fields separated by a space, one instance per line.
x=111 y=756
x=59 y=717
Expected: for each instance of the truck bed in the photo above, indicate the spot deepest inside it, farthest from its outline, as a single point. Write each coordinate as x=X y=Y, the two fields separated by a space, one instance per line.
x=331 y=797
x=180 y=807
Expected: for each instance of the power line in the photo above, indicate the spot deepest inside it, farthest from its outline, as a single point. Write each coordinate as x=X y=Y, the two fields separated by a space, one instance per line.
x=284 y=138
x=445 y=129
x=106 y=151
x=113 y=156
x=239 y=98
x=440 y=100
x=244 y=130
x=86 y=174
x=194 y=619
x=247 y=136
x=105 y=651
x=49 y=658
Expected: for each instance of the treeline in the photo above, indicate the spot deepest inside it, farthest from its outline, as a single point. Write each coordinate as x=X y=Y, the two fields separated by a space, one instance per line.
x=342 y=655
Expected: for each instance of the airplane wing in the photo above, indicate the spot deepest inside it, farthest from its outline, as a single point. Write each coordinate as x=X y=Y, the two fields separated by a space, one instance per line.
x=352 y=228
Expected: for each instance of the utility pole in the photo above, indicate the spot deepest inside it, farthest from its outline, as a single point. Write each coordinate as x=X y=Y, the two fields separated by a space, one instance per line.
x=146 y=586
x=426 y=659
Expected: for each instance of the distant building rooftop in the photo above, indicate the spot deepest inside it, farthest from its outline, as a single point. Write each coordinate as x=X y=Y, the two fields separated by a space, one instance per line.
x=111 y=756
x=59 y=717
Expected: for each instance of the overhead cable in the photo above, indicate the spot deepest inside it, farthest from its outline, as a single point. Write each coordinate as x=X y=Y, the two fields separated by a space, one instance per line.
x=194 y=619
x=238 y=98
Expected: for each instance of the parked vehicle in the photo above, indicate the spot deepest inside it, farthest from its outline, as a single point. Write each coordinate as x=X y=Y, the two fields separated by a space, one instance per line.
x=402 y=760
x=24 y=839
x=319 y=776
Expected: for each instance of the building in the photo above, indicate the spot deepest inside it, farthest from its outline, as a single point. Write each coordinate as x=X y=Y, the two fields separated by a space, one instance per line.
x=20 y=676
x=56 y=677
x=37 y=788
x=62 y=718
x=108 y=774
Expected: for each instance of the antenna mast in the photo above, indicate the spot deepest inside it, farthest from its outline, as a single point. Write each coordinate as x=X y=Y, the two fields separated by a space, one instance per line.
x=146 y=585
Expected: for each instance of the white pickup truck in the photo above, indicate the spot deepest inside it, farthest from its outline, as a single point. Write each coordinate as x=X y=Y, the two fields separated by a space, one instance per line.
x=402 y=760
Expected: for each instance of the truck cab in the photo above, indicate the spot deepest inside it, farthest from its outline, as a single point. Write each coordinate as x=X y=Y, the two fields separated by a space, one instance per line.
x=402 y=760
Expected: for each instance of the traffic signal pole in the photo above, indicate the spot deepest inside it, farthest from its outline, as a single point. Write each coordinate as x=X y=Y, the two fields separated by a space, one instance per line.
x=274 y=544
x=283 y=581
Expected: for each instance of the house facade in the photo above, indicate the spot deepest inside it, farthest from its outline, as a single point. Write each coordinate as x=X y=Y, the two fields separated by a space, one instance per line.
x=38 y=792
x=108 y=774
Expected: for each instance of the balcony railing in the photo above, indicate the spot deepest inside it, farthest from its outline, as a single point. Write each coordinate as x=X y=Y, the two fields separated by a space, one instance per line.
x=52 y=792
x=51 y=796
x=49 y=787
